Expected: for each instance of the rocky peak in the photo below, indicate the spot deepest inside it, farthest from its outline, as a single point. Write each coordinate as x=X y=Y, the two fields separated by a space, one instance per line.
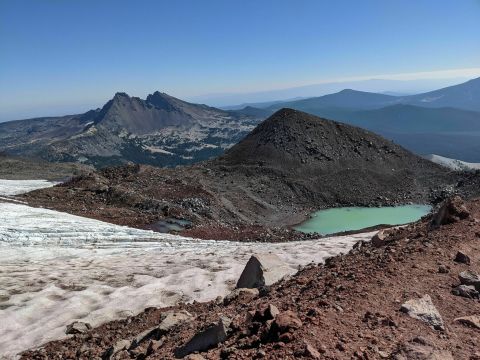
x=161 y=101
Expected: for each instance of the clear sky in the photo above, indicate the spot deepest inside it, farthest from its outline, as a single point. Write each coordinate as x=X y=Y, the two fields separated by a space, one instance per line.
x=60 y=55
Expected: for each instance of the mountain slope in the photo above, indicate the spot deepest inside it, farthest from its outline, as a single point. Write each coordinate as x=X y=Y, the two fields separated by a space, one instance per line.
x=160 y=130
x=289 y=166
x=464 y=96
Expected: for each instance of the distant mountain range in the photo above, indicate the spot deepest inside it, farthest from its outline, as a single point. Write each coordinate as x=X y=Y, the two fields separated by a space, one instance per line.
x=165 y=131
x=464 y=96
x=445 y=121
x=160 y=130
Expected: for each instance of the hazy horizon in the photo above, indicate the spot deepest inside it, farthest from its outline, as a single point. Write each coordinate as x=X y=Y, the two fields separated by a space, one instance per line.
x=68 y=57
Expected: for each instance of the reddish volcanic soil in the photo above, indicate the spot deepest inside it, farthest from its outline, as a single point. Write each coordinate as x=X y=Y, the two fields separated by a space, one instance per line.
x=348 y=308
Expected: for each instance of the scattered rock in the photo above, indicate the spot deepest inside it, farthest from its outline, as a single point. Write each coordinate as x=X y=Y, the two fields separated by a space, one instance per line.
x=263 y=270
x=244 y=294
x=442 y=269
x=119 y=346
x=195 y=357
x=310 y=351
x=424 y=310
x=173 y=318
x=77 y=327
x=470 y=278
x=466 y=291
x=170 y=319
x=452 y=210
x=421 y=349
x=205 y=339
x=267 y=312
x=462 y=258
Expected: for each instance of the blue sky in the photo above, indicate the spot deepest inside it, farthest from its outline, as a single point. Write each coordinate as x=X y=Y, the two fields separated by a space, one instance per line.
x=62 y=56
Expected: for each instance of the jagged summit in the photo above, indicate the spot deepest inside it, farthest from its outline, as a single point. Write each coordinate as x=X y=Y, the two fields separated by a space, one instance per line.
x=159 y=130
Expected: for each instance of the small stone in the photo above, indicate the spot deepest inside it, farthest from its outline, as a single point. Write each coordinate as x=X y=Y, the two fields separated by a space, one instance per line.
x=173 y=318
x=286 y=321
x=473 y=321
x=77 y=327
x=310 y=351
x=119 y=346
x=421 y=349
x=261 y=353
x=442 y=269
x=268 y=312
x=195 y=357
x=462 y=258
x=206 y=339
x=245 y=295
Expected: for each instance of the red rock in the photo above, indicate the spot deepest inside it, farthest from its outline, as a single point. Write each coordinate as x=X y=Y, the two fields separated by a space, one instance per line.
x=286 y=321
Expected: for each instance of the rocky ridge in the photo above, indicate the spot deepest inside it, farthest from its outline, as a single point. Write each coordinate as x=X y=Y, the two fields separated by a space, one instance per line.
x=160 y=130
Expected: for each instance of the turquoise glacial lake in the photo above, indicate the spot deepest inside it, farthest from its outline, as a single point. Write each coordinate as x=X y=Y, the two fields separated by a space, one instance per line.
x=336 y=220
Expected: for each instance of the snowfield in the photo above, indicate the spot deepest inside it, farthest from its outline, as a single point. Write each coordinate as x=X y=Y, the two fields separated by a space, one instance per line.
x=56 y=268
x=15 y=187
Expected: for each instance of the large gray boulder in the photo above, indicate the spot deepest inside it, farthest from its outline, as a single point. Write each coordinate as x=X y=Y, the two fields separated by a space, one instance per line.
x=205 y=339
x=424 y=310
x=470 y=278
x=263 y=270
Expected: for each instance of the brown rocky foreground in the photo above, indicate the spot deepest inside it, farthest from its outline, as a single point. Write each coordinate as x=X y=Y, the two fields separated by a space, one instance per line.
x=412 y=294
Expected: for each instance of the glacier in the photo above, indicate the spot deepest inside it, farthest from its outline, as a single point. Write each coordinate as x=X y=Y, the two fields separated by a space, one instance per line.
x=56 y=268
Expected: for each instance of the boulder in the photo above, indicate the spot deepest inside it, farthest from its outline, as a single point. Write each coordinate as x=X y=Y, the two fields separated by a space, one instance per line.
x=379 y=238
x=462 y=258
x=472 y=320
x=263 y=270
x=205 y=339
x=470 y=278
x=77 y=327
x=466 y=291
x=243 y=294
x=424 y=310
x=452 y=210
